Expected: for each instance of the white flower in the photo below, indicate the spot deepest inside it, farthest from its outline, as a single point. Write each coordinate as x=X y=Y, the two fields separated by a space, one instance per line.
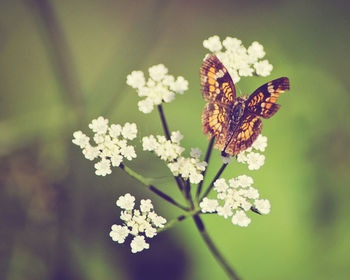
x=129 y=131
x=150 y=232
x=103 y=167
x=255 y=161
x=80 y=139
x=180 y=86
x=263 y=68
x=208 y=205
x=220 y=185
x=263 y=206
x=119 y=233
x=149 y=143
x=126 y=202
x=90 y=152
x=128 y=152
x=213 y=44
x=160 y=87
x=239 y=61
x=146 y=205
x=235 y=199
x=115 y=130
x=260 y=143
x=111 y=144
x=232 y=43
x=224 y=211
x=241 y=219
x=176 y=137
x=136 y=79
x=138 y=244
x=146 y=105
x=116 y=160
x=139 y=223
x=99 y=125
x=245 y=181
x=256 y=51
x=158 y=221
x=195 y=152
x=158 y=72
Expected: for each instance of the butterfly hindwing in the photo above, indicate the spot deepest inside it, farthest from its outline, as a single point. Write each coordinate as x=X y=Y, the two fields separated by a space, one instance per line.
x=262 y=102
x=216 y=82
x=214 y=119
x=245 y=134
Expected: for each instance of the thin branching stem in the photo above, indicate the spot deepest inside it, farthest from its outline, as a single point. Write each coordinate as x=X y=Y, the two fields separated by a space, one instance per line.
x=206 y=159
x=178 y=179
x=173 y=222
x=152 y=188
x=164 y=123
x=222 y=168
x=217 y=255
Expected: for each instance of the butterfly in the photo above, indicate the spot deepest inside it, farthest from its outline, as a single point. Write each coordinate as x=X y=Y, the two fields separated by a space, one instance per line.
x=235 y=121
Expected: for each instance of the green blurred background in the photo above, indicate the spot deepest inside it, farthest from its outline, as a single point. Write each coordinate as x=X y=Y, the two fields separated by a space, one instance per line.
x=64 y=63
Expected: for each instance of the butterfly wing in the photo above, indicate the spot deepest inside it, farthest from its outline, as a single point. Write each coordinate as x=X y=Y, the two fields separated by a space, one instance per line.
x=216 y=82
x=262 y=102
x=215 y=119
x=244 y=135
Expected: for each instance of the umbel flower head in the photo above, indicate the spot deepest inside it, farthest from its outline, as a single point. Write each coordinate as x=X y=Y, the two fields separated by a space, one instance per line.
x=111 y=144
x=239 y=61
x=139 y=223
x=160 y=86
x=170 y=151
x=235 y=199
x=251 y=156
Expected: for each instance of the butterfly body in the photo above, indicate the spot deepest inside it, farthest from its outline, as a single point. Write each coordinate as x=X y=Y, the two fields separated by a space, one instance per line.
x=235 y=121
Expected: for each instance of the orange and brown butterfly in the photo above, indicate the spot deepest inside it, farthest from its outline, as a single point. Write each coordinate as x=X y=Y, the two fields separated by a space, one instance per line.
x=235 y=121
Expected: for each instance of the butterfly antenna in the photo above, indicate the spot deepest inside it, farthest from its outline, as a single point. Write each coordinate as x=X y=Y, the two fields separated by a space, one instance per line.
x=239 y=89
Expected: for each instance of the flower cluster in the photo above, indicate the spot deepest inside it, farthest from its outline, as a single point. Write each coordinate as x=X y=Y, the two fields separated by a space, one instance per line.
x=239 y=61
x=111 y=144
x=139 y=223
x=253 y=159
x=160 y=87
x=170 y=151
x=237 y=197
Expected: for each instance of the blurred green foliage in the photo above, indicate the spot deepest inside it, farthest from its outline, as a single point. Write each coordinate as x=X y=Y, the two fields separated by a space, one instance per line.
x=65 y=62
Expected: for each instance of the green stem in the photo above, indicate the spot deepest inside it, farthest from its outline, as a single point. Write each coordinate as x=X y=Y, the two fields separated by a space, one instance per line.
x=152 y=188
x=217 y=255
x=173 y=222
x=207 y=158
x=213 y=181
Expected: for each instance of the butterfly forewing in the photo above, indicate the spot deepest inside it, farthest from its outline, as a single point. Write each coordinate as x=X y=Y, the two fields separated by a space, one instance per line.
x=216 y=82
x=262 y=102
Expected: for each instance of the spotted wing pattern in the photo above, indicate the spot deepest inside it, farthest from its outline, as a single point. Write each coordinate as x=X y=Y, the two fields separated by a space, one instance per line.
x=245 y=134
x=216 y=82
x=262 y=102
x=215 y=119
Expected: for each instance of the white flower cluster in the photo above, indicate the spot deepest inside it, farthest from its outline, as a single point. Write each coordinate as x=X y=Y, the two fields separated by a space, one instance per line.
x=239 y=61
x=111 y=144
x=170 y=151
x=160 y=87
x=253 y=159
x=139 y=223
x=237 y=197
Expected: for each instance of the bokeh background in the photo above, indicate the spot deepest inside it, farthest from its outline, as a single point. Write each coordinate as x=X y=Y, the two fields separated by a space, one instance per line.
x=63 y=63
